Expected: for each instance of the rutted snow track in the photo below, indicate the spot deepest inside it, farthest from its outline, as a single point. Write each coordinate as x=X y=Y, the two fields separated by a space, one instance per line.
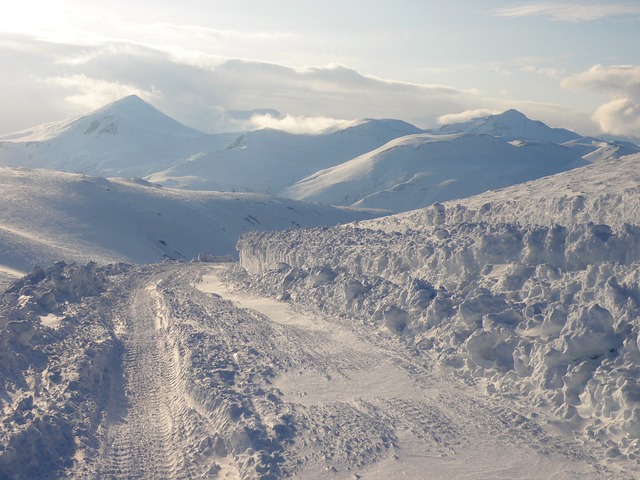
x=145 y=428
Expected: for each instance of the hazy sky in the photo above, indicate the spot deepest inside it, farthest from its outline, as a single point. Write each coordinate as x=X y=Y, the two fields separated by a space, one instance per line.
x=570 y=64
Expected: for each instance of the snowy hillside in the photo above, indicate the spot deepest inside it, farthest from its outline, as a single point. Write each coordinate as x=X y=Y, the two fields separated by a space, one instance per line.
x=603 y=193
x=269 y=160
x=48 y=216
x=126 y=138
x=511 y=124
x=417 y=170
x=526 y=292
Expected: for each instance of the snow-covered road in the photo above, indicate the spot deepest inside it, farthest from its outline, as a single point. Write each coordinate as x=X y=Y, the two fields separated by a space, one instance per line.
x=212 y=383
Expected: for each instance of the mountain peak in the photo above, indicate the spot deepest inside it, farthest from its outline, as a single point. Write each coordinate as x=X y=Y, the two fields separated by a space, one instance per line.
x=511 y=124
x=142 y=115
x=511 y=113
x=127 y=105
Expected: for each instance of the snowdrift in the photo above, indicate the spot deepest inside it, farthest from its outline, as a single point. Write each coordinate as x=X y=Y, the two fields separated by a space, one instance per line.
x=56 y=370
x=544 y=310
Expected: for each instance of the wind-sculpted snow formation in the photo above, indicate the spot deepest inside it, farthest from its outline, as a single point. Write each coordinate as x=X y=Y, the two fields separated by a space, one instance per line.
x=535 y=297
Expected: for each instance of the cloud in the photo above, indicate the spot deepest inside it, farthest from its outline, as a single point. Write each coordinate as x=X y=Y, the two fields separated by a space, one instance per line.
x=570 y=12
x=621 y=115
x=197 y=88
x=92 y=93
x=206 y=33
x=466 y=115
x=294 y=124
x=52 y=81
x=619 y=79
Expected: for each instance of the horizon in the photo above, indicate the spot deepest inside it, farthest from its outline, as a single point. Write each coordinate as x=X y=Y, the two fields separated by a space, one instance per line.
x=340 y=125
x=426 y=64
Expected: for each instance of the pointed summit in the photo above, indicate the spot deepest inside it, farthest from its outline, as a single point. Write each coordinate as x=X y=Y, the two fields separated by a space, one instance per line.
x=511 y=124
x=128 y=137
x=135 y=111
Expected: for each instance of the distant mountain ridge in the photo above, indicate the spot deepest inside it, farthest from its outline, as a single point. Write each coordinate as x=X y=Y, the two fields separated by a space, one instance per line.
x=381 y=163
x=418 y=170
x=510 y=124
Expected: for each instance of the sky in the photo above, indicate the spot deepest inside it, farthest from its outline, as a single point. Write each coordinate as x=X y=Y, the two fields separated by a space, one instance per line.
x=210 y=64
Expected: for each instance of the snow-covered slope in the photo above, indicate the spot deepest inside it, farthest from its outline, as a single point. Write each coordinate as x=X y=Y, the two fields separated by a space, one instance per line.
x=604 y=193
x=269 y=160
x=48 y=216
x=126 y=138
x=417 y=170
x=511 y=124
x=533 y=293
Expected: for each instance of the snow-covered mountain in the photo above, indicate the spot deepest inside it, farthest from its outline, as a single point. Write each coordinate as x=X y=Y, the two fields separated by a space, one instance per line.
x=386 y=163
x=126 y=138
x=130 y=138
x=269 y=160
x=456 y=161
x=510 y=124
x=417 y=170
x=48 y=216
x=607 y=192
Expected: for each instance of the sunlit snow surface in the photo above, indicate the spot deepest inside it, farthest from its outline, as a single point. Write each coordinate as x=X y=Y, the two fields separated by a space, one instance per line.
x=163 y=371
x=48 y=216
x=378 y=375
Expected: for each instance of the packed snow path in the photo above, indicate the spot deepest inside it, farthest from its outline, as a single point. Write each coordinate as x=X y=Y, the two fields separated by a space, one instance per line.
x=250 y=387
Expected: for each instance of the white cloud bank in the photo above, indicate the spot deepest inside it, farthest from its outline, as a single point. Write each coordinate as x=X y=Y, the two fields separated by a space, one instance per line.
x=621 y=115
x=198 y=89
x=570 y=12
x=293 y=124
x=51 y=81
x=93 y=93
x=466 y=115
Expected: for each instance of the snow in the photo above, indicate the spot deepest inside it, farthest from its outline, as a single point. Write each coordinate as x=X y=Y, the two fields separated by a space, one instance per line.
x=130 y=138
x=418 y=170
x=126 y=138
x=531 y=291
x=269 y=160
x=603 y=193
x=511 y=124
x=165 y=371
x=49 y=216
x=493 y=336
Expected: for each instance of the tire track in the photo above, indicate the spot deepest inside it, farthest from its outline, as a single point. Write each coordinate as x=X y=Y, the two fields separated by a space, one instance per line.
x=153 y=430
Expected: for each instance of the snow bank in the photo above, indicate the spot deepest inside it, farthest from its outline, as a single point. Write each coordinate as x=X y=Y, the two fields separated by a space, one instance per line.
x=549 y=313
x=51 y=380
